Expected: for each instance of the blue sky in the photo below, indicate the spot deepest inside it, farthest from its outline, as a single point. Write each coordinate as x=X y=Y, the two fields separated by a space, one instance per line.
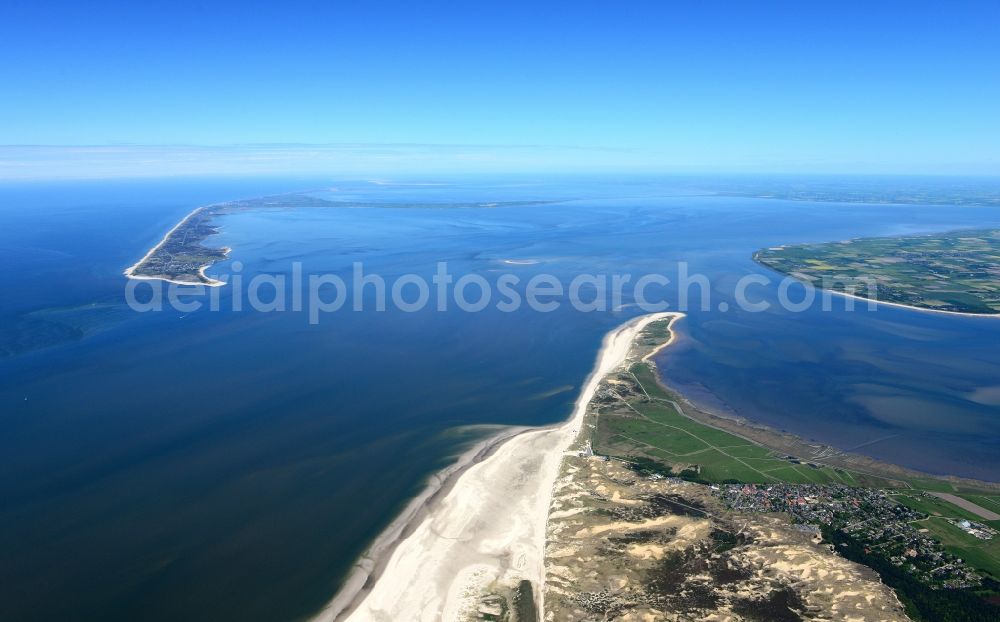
x=797 y=87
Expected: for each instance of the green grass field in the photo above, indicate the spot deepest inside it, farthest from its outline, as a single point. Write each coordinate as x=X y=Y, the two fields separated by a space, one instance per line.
x=662 y=433
x=939 y=507
x=982 y=555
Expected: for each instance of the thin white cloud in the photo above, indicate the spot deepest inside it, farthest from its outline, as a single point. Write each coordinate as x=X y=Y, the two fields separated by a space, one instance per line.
x=28 y=162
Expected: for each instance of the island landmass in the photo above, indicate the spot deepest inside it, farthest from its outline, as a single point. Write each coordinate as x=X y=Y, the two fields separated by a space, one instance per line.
x=867 y=190
x=181 y=257
x=954 y=272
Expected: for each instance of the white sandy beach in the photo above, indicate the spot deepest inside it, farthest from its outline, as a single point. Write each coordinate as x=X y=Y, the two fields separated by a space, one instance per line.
x=489 y=526
x=900 y=305
x=130 y=271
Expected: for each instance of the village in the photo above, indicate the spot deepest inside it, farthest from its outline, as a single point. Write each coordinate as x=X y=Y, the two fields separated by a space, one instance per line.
x=870 y=516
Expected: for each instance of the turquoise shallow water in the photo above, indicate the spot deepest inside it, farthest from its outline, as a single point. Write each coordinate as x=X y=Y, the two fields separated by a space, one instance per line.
x=231 y=465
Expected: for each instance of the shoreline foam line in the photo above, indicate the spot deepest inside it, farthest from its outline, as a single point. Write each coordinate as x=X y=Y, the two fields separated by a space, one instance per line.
x=873 y=301
x=489 y=525
x=371 y=564
x=876 y=302
x=130 y=271
x=905 y=306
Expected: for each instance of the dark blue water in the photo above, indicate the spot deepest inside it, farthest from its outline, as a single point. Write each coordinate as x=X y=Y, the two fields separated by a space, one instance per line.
x=231 y=465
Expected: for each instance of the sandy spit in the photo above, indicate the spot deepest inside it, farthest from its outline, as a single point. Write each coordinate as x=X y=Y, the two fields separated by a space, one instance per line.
x=486 y=524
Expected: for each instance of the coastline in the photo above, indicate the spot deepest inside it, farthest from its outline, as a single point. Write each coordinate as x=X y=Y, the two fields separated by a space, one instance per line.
x=805 y=448
x=210 y=282
x=485 y=523
x=815 y=451
x=904 y=306
x=427 y=563
x=873 y=301
x=372 y=563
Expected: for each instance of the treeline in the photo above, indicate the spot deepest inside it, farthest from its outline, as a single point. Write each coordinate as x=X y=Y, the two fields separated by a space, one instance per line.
x=921 y=602
x=640 y=465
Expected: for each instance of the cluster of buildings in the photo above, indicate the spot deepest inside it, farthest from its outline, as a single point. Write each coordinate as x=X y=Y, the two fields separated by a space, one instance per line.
x=870 y=516
x=978 y=530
